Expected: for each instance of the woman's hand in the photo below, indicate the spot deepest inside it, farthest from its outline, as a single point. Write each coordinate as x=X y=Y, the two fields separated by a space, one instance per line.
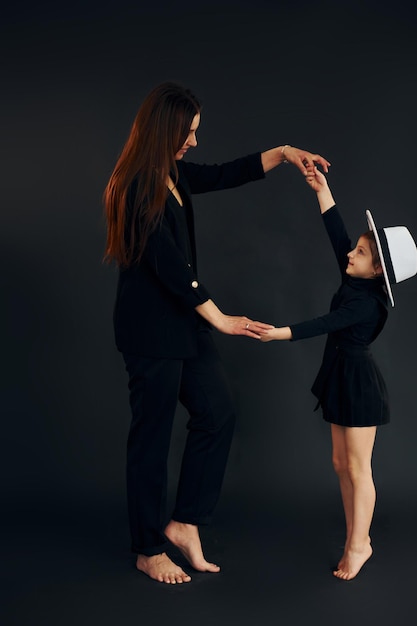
x=231 y=324
x=288 y=154
x=303 y=159
x=242 y=325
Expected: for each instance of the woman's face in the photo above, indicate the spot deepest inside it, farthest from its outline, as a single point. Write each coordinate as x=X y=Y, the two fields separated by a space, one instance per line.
x=191 y=140
x=360 y=262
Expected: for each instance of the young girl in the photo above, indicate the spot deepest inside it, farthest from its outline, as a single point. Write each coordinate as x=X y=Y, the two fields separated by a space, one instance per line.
x=349 y=385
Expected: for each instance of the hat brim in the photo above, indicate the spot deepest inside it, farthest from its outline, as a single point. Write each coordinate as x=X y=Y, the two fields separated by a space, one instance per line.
x=372 y=226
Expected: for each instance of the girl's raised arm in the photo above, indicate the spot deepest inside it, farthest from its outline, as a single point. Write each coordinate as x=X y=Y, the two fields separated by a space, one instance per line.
x=318 y=182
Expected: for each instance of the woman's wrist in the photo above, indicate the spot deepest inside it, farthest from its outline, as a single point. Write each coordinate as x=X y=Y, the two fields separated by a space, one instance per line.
x=273 y=157
x=283 y=157
x=211 y=313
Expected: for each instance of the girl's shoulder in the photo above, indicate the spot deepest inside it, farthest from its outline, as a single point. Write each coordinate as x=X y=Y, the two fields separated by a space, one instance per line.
x=369 y=294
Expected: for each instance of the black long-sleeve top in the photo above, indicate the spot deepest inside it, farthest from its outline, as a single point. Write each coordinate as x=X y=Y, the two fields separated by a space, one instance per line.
x=358 y=310
x=154 y=313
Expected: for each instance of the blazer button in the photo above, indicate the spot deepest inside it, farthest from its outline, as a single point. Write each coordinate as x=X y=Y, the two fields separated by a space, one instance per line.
x=194 y=284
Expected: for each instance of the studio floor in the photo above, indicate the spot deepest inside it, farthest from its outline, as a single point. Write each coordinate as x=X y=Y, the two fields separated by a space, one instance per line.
x=73 y=567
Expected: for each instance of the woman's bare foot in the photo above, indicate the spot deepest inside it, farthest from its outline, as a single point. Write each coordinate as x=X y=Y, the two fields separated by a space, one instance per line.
x=352 y=562
x=161 y=568
x=187 y=539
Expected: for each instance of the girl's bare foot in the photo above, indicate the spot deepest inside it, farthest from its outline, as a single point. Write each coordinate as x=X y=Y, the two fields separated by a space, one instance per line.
x=187 y=539
x=352 y=562
x=341 y=564
x=161 y=568
x=342 y=560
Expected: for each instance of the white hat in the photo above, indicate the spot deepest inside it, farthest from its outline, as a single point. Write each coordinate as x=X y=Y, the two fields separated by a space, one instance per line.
x=397 y=251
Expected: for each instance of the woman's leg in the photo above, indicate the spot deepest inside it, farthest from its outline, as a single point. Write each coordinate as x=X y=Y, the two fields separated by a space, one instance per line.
x=154 y=387
x=205 y=394
x=359 y=443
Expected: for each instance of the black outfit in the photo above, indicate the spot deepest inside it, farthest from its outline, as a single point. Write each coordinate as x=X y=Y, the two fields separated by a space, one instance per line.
x=349 y=385
x=170 y=355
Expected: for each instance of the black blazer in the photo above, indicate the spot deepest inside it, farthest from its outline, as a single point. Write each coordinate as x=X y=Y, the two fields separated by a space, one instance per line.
x=154 y=313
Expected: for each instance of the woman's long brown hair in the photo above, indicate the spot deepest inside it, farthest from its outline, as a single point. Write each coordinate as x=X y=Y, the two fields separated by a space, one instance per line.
x=159 y=130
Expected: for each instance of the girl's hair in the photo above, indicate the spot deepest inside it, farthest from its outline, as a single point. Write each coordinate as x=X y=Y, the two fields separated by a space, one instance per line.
x=376 y=260
x=136 y=193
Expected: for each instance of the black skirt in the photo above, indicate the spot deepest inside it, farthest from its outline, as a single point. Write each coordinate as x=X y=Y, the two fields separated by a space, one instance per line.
x=353 y=390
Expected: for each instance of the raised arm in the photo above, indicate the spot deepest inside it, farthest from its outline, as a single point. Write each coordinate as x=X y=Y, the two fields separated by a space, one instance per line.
x=318 y=182
x=288 y=154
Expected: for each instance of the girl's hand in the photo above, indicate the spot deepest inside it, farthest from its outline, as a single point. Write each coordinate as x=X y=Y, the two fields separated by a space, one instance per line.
x=282 y=333
x=315 y=179
x=318 y=182
x=267 y=337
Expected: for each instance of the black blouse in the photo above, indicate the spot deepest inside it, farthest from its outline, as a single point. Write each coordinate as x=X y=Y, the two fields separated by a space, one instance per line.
x=358 y=310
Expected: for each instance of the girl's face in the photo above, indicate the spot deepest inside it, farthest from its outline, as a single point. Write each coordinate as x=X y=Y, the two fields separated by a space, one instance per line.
x=191 y=140
x=360 y=263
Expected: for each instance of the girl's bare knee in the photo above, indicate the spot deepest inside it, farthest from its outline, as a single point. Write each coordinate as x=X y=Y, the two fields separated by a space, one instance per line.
x=358 y=473
x=339 y=466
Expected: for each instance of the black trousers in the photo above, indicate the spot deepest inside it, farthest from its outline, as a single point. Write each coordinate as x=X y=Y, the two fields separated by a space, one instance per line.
x=156 y=385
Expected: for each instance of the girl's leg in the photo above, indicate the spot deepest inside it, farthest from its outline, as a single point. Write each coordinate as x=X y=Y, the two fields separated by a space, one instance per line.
x=359 y=443
x=340 y=464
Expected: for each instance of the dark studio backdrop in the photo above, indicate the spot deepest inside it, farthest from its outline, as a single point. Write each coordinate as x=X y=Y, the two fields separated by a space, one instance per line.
x=338 y=78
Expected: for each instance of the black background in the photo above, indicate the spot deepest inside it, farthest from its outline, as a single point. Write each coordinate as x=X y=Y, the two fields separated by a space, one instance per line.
x=338 y=78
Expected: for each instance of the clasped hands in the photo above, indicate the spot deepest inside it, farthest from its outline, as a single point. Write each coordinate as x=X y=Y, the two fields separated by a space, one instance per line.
x=304 y=160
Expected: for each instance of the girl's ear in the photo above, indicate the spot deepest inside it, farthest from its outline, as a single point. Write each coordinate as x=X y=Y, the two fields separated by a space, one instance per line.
x=378 y=270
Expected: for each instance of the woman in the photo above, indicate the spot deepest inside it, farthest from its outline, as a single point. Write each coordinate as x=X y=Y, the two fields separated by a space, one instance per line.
x=163 y=317
x=349 y=385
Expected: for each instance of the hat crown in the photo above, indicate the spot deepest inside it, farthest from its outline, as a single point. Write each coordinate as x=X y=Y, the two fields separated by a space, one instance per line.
x=403 y=252
x=397 y=252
